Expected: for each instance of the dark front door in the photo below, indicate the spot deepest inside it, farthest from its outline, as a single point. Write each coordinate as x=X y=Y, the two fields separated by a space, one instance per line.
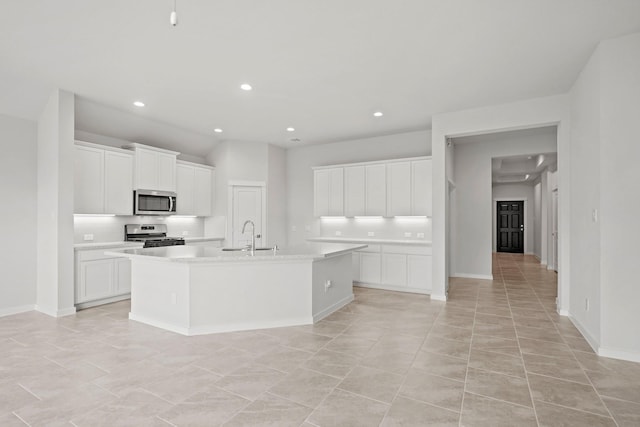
x=510 y=227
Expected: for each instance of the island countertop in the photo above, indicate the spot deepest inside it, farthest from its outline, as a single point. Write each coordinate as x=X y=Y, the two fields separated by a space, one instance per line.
x=203 y=254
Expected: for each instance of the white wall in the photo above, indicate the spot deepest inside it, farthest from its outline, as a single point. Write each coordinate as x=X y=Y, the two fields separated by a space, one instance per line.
x=300 y=176
x=537 y=219
x=619 y=196
x=516 y=192
x=18 y=172
x=55 y=290
x=473 y=221
x=277 y=197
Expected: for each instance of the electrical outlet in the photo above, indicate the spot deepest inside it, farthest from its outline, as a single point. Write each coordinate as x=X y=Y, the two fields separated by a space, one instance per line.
x=586 y=304
x=420 y=235
x=407 y=234
x=338 y=233
x=327 y=285
x=185 y=233
x=88 y=237
x=594 y=215
x=371 y=234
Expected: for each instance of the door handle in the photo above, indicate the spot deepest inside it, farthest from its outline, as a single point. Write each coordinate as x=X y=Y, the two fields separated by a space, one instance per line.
x=258 y=236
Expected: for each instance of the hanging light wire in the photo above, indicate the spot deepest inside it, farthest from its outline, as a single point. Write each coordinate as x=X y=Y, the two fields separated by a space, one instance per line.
x=173 y=18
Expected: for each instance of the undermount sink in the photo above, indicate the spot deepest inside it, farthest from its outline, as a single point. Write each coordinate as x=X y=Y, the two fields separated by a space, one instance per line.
x=246 y=249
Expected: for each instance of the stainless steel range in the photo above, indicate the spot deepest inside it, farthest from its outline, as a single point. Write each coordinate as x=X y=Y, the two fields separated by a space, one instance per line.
x=153 y=235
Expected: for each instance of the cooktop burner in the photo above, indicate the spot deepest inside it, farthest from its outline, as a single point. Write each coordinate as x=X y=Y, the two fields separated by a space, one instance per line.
x=153 y=235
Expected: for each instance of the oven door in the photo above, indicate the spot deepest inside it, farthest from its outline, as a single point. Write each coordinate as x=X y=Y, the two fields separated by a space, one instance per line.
x=149 y=202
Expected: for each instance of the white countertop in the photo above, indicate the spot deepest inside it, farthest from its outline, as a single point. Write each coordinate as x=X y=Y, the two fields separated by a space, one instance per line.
x=129 y=245
x=416 y=242
x=198 y=254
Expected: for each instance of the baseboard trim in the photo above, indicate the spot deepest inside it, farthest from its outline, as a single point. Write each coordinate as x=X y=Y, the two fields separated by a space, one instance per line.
x=56 y=313
x=595 y=345
x=436 y=297
x=563 y=312
x=89 y=304
x=215 y=329
x=615 y=353
x=16 y=310
x=473 y=276
x=333 y=308
x=392 y=288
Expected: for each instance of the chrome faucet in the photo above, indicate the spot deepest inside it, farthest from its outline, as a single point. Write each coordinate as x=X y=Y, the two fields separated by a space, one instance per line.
x=253 y=235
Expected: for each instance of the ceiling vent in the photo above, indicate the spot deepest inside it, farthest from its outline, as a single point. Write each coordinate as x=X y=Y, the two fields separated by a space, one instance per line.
x=295 y=140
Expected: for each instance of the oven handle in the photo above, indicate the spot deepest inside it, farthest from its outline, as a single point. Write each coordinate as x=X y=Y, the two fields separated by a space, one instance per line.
x=170 y=203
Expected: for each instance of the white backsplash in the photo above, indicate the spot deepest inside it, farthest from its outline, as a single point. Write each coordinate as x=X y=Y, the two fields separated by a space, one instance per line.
x=382 y=228
x=111 y=228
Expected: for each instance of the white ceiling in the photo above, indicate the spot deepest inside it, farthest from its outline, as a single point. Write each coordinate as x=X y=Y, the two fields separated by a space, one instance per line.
x=320 y=66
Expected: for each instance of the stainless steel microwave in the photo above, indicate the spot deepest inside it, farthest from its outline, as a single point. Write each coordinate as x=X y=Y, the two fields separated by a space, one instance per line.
x=152 y=202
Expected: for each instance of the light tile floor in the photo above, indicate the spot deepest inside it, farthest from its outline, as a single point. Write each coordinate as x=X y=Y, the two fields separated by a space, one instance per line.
x=496 y=354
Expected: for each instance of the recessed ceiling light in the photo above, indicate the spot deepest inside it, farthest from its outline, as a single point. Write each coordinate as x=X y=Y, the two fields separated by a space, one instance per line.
x=290 y=129
x=138 y=104
x=217 y=130
x=378 y=114
x=530 y=157
x=245 y=86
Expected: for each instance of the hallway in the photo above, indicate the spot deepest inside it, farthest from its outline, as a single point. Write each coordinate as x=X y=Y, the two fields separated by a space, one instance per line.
x=496 y=354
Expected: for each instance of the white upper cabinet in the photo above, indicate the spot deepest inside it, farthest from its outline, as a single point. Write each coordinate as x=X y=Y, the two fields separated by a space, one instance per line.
x=399 y=189
x=103 y=180
x=155 y=169
x=194 y=184
x=328 y=192
x=354 y=191
x=421 y=191
x=383 y=188
x=376 y=190
x=118 y=183
x=88 y=180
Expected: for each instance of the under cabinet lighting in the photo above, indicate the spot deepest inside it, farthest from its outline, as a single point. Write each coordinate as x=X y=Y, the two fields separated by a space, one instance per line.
x=368 y=218
x=92 y=215
x=333 y=218
x=182 y=216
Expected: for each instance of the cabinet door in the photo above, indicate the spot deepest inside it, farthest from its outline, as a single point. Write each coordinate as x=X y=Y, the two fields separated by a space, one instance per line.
x=96 y=280
x=376 y=190
x=419 y=271
x=336 y=192
x=166 y=172
x=88 y=180
x=185 y=187
x=369 y=268
x=321 y=192
x=394 y=269
x=202 y=192
x=118 y=183
x=122 y=276
x=354 y=191
x=399 y=189
x=146 y=170
x=355 y=263
x=421 y=192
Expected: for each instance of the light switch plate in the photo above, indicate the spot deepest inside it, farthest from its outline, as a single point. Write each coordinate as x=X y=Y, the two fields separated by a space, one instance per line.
x=88 y=237
x=407 y=234
x=420 y=235
x=371 y=234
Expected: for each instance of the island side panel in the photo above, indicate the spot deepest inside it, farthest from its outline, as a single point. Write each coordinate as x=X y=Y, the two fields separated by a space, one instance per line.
x=337 y=270
x=160 y=294
x=239 y=296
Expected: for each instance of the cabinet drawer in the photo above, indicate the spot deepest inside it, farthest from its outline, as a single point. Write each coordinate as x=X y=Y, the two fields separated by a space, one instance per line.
x=94 y=254
x=406 y=249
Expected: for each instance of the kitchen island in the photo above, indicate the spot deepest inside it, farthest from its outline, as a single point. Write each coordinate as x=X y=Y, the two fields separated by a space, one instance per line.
x=195 y=290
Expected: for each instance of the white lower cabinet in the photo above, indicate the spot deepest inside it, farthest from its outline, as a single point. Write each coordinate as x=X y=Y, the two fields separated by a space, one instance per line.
x=369 y=267
x=101 y=277
x=394 y=267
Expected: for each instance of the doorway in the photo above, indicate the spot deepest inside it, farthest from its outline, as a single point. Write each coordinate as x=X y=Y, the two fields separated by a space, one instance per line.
x=510 y=226
x=247 y=204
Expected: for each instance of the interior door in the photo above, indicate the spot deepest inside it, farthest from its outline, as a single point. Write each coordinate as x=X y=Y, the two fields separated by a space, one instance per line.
x=247 y=205
x=510 y=227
